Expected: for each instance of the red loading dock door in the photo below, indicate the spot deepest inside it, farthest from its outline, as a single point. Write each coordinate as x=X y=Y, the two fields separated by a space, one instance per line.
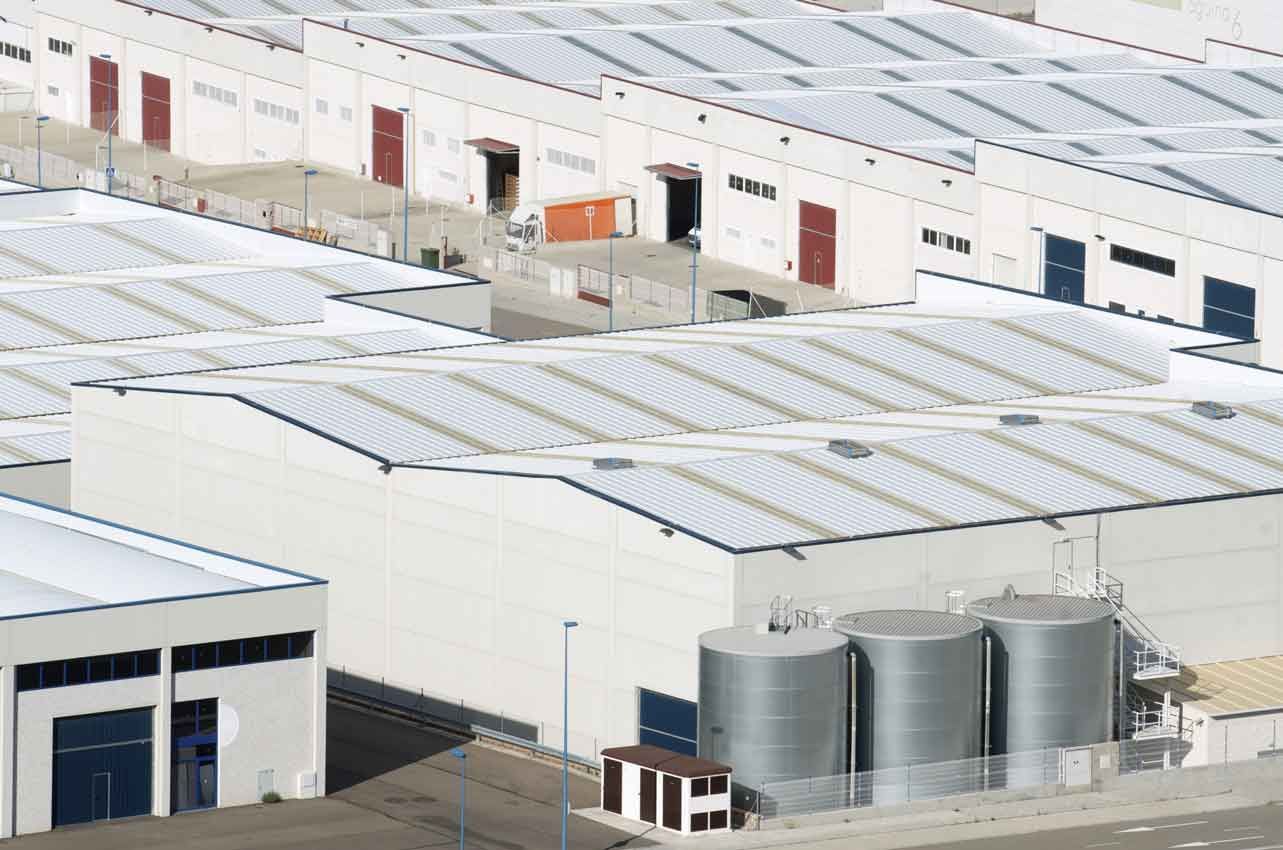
x=817 y=244
x=104 y=94
x=387 y=149
x=156 y=110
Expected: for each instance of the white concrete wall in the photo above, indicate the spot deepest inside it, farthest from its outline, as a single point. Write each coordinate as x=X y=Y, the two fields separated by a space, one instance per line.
x=278 y=706
x=1205 y=238
x=1173 y=562
x=266 y=721
x=883 y=200
x=453 y=583
x=454 y=102
x=49 y=483
x=18 y=34
x=184 y=51
x=33 y=734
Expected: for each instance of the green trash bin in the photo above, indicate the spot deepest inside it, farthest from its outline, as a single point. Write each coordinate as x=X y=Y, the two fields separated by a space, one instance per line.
x=430 y=258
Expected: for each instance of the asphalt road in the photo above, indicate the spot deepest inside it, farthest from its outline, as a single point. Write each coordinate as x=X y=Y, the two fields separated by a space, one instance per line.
x=1258 y=828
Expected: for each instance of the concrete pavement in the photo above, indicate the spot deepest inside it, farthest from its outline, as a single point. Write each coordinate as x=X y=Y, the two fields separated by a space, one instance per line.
x=394 y=786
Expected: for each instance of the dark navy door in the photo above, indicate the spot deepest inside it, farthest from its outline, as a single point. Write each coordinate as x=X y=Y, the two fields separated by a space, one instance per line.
x=1065 y=269
x=102 y=766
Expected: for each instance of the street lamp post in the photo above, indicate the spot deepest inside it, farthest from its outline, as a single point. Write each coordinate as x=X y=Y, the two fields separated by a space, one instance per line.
x=405 y=185
x=311 y=172
x=40 y=158
x=111 y=109
x=610 y=322
x=695 y=243
x=458 y=753
x=566 y=626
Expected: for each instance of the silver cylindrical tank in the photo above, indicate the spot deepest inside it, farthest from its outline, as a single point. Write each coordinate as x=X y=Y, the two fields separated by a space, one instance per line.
x=917 y=695
x=917 y=688
x=1052 y=670
x=772 y=704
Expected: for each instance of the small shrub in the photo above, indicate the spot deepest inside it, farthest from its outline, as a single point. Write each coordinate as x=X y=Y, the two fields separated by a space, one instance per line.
x=271 y=797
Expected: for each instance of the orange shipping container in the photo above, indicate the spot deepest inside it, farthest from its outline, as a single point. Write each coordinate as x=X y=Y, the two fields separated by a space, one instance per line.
x=575 y=221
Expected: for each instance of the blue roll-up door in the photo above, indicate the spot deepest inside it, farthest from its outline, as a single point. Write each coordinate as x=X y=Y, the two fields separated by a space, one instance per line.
x=667 y=722
x=102 y=766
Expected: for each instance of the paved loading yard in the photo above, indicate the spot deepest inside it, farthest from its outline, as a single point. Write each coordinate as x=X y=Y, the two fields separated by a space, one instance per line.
x=522 y=309
x=393 y=786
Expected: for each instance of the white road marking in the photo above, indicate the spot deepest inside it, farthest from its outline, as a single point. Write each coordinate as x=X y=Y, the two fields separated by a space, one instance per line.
x=1222 y=841
x=1105 y=844
x=1163 y=826
x=1242 y=829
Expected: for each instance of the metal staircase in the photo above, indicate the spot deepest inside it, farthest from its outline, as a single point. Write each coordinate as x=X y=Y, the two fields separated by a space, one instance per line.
x=1077 y=572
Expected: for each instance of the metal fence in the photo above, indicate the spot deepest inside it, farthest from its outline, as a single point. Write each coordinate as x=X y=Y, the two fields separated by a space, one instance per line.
x=26 y=164
x=893 y=786
x=55 y=171
x=434 y=708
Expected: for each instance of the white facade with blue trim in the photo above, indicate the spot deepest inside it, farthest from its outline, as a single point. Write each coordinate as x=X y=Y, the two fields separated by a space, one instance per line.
x=141 y=676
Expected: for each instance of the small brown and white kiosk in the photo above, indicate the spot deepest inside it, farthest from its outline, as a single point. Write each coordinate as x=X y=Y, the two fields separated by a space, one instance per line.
x=671 y=790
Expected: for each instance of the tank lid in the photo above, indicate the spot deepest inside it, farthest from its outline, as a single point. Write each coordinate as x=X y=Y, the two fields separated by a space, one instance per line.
x=749 y=640
x=1040 y=608
x=907 y=625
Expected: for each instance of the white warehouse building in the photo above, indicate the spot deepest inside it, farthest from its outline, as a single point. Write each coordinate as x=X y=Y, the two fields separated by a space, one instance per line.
x=833 y=149
x=659 y=483
x=142 y=676
x=95 y=287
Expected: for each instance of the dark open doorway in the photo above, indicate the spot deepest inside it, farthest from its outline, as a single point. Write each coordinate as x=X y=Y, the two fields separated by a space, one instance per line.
x=503 y=172
x=682 y=211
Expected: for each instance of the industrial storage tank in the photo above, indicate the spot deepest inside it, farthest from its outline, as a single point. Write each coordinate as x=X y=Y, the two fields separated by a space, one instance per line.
x=1052 y=670
x=918 y=686
x=772 y=704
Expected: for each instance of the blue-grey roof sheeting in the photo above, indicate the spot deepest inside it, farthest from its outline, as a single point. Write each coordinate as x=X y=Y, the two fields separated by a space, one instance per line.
x=1092 y=146
x=961 y=478
x=24 y=449
x=704 y=388
x=41 y=389
x=1255 y=182
x=180 y=305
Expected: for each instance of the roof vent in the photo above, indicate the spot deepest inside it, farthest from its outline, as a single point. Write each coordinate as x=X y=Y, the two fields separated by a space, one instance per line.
x=1009 y=593
x=849 y=449
x=612 y=463
x=1020 y=419
x=1213 y=410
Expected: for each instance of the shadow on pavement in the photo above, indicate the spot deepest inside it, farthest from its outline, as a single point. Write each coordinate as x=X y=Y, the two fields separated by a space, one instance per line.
x=361 y=745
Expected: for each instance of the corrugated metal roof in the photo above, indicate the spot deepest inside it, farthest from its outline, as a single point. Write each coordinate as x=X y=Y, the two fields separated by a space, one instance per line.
x=42 y=388
x=1232 y=687
x=710 y=387
x=1009 y=473
x=192 y=304
x=42 y=447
